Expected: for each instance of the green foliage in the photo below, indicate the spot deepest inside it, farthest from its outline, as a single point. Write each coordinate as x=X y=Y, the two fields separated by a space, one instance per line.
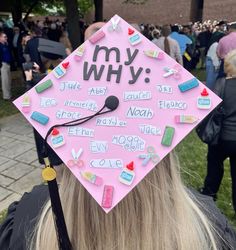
x=3 y=215
x=7 y=108
x=85 y=6
x=55 y=7
x=192 y=155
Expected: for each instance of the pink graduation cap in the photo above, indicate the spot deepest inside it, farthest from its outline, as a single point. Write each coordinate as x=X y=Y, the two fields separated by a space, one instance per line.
x=139 y=105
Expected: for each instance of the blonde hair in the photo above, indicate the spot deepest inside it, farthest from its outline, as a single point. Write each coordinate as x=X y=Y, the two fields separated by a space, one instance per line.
x=230 y=63
x=157 y=214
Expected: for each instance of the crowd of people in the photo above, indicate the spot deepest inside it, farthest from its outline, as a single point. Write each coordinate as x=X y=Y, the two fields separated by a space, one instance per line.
x=190 y=45
x=170 y=215
x=19 y=44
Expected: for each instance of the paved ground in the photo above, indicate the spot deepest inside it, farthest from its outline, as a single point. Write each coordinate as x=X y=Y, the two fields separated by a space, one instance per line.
x=19 y=167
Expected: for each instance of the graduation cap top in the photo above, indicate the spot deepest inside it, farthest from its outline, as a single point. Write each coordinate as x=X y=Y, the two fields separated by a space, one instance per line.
x=140 y=104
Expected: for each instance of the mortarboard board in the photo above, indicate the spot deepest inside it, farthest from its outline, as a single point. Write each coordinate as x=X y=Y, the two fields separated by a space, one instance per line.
x=124 y=105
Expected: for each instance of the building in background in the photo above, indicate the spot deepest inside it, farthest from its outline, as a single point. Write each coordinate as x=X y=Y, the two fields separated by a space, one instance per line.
x=170 y=11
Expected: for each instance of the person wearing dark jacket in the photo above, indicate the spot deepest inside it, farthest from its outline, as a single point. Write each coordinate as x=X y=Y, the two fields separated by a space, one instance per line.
x=5 y=61
x=31 y=48
x=226 y=148
x=21 y=220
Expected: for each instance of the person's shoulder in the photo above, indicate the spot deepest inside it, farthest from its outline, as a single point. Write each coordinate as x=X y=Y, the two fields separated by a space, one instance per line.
x=173 y=34
x=173 y=41
x=216 y=217
x=186 y=38
x=223 y=38
x=21 y=218
x=33 y=41
x=158 y=40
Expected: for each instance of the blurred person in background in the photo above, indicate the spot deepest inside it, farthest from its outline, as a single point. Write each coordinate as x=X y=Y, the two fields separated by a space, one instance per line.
x=31 y=48
x=65 y=40
x=212 y=63
x=183 y=42
x=202 y=41
x=54 y=32
x=226 y=147
x=169 y=45
x=228 y=43
x=5 y=61
x=15 y=44
x=182 y=39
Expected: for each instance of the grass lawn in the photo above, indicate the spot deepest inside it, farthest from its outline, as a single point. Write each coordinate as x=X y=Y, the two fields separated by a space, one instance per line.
x=192 y=154
x=3 y=215
x=7 y=108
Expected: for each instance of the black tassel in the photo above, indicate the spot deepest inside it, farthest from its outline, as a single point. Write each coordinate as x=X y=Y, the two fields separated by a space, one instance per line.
x=49 y=175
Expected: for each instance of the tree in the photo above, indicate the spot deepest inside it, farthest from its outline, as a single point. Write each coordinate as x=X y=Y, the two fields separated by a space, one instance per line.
x=32 y=6
x=98 y=10
x=71 y=8
x=72 y=15
x=196 y=10
x=16 y=10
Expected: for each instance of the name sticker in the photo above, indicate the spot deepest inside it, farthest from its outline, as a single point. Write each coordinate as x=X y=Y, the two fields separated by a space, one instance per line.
x=129 y=142
x=172 y=104
x=165 y=89
x=138 y=112
x=89 y=104
x=137 y=95
x=63 y=114
x=47 y=102
x=80 y=131
x=97 y=91
x=106 y=163
x=98 y=146
x=149 y=129
x=110 y=122
x=70 y=85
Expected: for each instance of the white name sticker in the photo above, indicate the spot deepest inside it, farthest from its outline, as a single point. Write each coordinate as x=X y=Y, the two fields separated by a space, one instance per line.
x=137 y=95
x=70 y=85
x=89 y=104
x=63 y=114
x=165 y=89
x=80 y=131
x=47 y=102
x=98 y=147
x=110 y=122
x=106 y=163
x=172 y=104
x=149 y=129
x=138 y=112
x=129 y=142
x=97 y=91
